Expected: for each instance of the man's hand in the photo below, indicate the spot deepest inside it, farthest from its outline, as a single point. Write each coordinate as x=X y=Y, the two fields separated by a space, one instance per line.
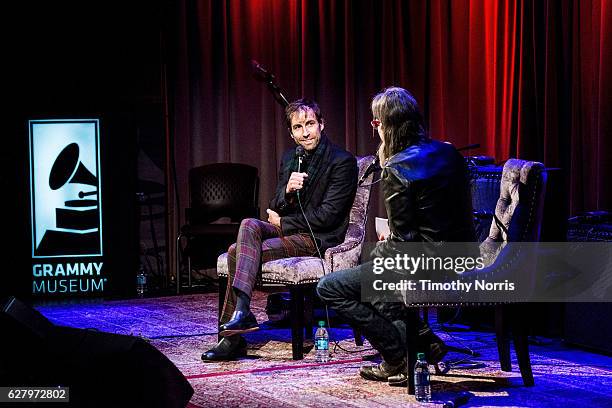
x=296 y=182
x=273 y=217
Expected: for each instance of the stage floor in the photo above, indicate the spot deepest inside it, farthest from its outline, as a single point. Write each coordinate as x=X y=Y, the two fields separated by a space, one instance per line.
x=182 y=327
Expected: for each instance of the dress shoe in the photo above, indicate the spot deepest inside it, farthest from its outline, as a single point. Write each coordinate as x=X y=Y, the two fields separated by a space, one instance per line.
x=227 y=349
x=398 y=380
x=241 y=322
x=382 y=371
x=436 y=353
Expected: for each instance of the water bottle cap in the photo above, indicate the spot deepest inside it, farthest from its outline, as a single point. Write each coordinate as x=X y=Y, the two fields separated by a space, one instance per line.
x=321 y=323
x=420 y=356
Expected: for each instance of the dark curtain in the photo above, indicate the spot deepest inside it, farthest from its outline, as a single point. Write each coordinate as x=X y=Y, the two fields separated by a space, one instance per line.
x=524 y=78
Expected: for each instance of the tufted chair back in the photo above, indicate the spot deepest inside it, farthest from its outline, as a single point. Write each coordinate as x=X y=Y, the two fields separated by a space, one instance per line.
x=519 y=209
x=222 y=190
x=347 y=254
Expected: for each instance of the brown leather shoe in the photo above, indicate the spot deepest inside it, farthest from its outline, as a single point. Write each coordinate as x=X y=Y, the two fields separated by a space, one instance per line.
x=382 y=371
x=436 y=353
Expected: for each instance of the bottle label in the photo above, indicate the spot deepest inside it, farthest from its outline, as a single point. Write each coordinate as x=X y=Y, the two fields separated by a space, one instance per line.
x=421 y=378
x=322 y=344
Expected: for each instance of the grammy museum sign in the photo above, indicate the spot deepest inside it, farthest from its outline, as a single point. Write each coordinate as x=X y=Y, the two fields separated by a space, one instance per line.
x=66 y=207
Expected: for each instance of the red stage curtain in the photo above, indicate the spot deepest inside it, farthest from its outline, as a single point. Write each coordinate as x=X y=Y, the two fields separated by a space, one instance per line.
x=524 y=78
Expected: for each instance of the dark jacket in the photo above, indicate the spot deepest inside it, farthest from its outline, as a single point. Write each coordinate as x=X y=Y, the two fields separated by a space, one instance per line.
x=327 y=196
x=427 y=195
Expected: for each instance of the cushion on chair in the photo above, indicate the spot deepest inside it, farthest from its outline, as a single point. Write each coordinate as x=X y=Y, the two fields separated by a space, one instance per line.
x=290 y=271
x=293 y=271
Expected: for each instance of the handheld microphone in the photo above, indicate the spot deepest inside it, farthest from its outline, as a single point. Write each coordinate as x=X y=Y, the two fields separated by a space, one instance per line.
x=299 y=153
x=372 y=167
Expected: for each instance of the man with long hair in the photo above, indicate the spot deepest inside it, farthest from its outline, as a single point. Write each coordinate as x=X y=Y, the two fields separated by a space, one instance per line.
x=419 y=178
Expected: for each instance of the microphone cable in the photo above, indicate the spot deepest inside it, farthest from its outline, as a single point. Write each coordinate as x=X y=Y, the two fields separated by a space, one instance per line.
x=471 y=361
x=336 y=342
x=300 y=153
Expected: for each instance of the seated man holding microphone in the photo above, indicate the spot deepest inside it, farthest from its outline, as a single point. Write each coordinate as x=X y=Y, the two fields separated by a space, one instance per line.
x=315 y=191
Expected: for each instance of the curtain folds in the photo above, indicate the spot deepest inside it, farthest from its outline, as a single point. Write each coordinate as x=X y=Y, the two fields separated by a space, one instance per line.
x=524 y=78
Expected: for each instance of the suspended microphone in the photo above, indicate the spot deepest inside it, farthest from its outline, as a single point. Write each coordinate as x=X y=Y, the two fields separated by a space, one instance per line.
x=260 y=73
x=263 y=75
x=372 y=167
x=299 y=153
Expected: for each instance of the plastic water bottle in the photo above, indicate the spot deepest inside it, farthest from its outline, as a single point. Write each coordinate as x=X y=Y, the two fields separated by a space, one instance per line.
x=141 y=283
x=322 y=343
x=422 y=387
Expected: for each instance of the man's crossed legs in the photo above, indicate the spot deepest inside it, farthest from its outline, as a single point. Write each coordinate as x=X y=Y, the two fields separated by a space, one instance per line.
x=258 y=242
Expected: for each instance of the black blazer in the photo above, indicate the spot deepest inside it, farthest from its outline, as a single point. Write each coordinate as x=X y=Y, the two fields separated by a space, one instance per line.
x=327 y=199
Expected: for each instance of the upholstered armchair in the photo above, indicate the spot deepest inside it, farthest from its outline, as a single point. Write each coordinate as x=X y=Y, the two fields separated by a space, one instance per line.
x=301 y=274
x=517 y=218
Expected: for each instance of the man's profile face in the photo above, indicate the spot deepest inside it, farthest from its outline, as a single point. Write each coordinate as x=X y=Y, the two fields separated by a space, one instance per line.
x=305 y=129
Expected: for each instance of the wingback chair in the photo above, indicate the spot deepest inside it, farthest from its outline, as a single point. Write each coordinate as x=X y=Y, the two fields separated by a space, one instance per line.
x=301 y=274
x=217 y=190
x=517 y=218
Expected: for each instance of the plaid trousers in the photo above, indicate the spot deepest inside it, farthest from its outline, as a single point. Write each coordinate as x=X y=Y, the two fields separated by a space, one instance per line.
x=258 y=242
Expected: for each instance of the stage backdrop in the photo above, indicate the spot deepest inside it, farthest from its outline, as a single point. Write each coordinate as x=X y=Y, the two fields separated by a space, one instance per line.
x=522 y=78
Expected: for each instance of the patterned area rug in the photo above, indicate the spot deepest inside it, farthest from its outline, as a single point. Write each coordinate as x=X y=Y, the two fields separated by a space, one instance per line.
x=182 y=327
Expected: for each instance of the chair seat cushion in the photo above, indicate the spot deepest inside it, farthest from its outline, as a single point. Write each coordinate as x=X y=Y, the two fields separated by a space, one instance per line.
x=289 y=271
x=294 y=271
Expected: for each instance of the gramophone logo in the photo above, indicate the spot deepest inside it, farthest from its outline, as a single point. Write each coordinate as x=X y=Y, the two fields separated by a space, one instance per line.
x=65 y=188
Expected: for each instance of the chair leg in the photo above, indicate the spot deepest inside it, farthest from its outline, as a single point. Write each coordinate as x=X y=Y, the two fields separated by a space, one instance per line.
x=222 y=289
x=521 y=344
x=503 y=342
x=297 y=321
x=358 y=336
x=522 y=354
x=411 y=341
x=178 y=263
x=189 y=271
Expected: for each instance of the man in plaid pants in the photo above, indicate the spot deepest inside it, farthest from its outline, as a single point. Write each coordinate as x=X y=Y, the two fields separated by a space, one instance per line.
x=325 y=186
